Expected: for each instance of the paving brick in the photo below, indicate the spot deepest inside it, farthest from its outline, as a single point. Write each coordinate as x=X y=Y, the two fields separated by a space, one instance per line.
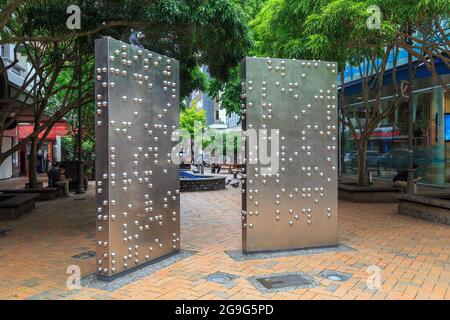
x=414 y=255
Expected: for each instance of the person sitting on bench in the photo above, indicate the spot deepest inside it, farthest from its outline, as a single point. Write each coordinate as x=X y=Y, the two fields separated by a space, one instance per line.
x=401 y=179
x=56 y=178
x=215 y=168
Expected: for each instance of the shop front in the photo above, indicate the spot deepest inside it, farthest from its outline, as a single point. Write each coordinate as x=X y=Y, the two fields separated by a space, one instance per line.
x=48 y=151
x=387 y=151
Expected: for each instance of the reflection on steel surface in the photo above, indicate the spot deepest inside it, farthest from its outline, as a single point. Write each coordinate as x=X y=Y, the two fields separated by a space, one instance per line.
x=295 y=204
x=137 y=102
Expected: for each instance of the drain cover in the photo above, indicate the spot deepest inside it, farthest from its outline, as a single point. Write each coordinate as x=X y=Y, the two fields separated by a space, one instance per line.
x=335 y=278
x=85 y=255
x=283 y=282
x=277 y=282
x=221 y=277
x=335 y=275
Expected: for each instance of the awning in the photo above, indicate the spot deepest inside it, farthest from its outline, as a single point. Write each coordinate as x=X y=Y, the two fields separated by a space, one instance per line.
x=59 y=129
x=421 y=71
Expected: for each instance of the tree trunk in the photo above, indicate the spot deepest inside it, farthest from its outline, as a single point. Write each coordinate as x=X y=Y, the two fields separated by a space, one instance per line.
x=75 y=148
x=32 y=178
x=362 y=174
x=192 y=151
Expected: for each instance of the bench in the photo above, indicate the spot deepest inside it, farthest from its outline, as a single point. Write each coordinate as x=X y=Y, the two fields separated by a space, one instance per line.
x=232 y=168
x=431 y=207
x=43 y=194
x=372 y=194
x=12 y=206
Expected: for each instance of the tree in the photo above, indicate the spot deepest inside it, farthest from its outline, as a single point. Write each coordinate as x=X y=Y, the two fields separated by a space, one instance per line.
x=88 y=111
x=209 y=32
x=54 y=68
x=193 y=121
x=229 y=90
x=48 y=61
x=337 y=30
x=7 y=10
x=212 y=32
x=431 y=40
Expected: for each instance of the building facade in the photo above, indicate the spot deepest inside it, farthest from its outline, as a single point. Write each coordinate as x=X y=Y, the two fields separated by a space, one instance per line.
x=387 y=151
x=216 y=117
x=15 y=102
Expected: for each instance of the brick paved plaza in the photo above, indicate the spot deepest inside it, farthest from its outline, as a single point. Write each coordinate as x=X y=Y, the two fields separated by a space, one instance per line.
x=414 y=255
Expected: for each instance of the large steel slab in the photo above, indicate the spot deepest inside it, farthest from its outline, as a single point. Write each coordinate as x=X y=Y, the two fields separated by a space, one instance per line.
x=138 y=204
x=294 y=204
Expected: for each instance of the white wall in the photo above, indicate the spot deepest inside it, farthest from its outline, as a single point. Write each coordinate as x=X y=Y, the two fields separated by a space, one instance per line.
x=19 y=71
x=6 y=167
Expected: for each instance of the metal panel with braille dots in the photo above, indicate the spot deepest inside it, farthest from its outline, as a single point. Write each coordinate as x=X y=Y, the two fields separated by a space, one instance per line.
x=295 y=205
x=138 y=204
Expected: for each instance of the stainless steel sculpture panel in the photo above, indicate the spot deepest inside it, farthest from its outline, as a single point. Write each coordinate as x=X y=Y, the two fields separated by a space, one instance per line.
x=295 y=204
x=138 y=204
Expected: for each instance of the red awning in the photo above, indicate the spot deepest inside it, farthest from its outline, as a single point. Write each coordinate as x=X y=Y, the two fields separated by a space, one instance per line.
x=59 y=129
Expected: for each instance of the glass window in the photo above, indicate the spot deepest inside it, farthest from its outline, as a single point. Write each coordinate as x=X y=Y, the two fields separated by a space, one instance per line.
x=387 y=151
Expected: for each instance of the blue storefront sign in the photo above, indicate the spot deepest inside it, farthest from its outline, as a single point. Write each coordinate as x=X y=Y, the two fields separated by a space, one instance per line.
x=447 y=127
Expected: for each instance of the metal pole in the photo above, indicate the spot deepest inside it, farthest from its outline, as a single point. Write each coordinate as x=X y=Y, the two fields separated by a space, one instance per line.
x=410 y=188
x=79 y=162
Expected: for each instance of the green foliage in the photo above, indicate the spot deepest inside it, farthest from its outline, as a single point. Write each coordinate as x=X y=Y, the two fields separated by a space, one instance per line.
x=195 y=32
x=266 y=40
x=208 y=32
x=199 y=80
x=68 y=144
x=229 y=92
x=250 y=8
x=332 y=29
x=212 y=33
x=233 y=142
x=192 y=118
x=338 y=30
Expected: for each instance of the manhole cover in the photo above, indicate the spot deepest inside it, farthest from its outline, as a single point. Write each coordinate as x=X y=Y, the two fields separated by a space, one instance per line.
x=335 y=275
x=85 y=255
x=283 y=282
x=221 y=277
x=277 y=282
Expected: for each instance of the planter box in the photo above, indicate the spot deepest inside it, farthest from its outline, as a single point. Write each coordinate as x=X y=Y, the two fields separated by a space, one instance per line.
x=39 y=185
x=12 y=206
x=42 y=194
x=435 y=208
x=372 y=194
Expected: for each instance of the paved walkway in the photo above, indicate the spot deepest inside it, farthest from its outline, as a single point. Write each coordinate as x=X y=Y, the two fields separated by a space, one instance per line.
x=413 y=255
x=19 y=182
